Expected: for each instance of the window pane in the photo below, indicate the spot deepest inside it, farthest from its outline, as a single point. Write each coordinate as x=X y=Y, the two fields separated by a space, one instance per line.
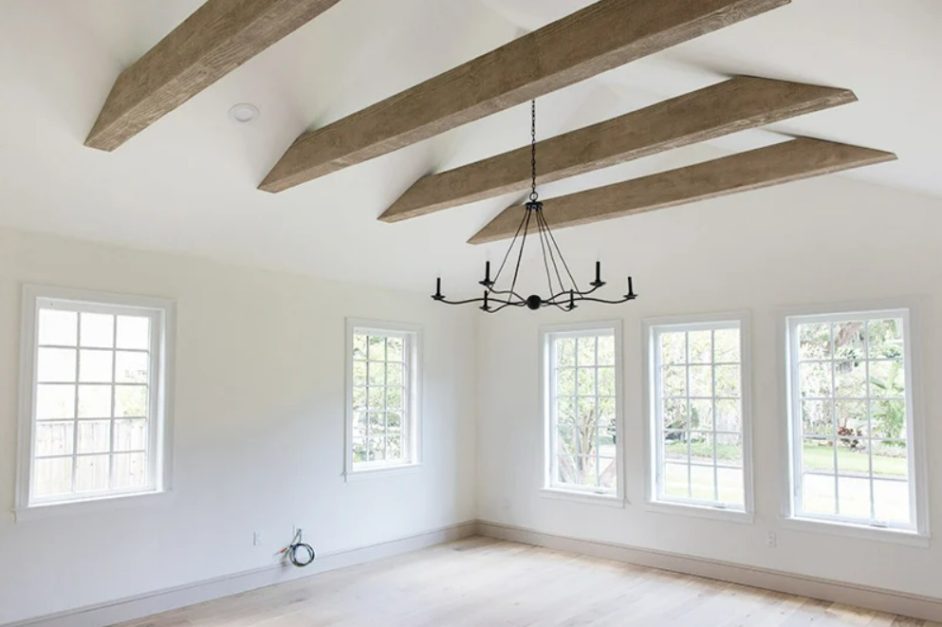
x=133 y=332
x=729 y=449
x=891 y=501
x=359 y=373
x=130 y=435
x=701 y=381
x=376 y=348
x=676 y=446
x=54 y=438
x=701 y=448
x=731 y=486
x=817 y=492
x=606 y=350
x=674 y=413
x=890 y=459
x=885 y=338
x=817 y=418
x=130 y=400
x=607 y=473
x=673 y=348
x=91 y=473
x=131 y=367
x=676 y=483
x=728 y=380
x=376 y=397
x=606 y=382
x=818 y=456
x=815 y=379
x=566 y=381
x=394 y=374
x=97 y=330
x=700 y=347
x=94 y=401
x=359 y=397
x=850 y=379
x=359 y=346
x=130 y=471
x=673 y=382
x=728 y=415
x=702 y=484
x=566 y=352
x=394 y=397
x=585 y=350
x=56 y=327
x=814 y=341
x=93 y=436
x=889 y=419
x=56 y=365
x=585 y=381
x=854 y=497
x=701 y=414
x=55 y=401
x=95 y=366
x=887 y=378
x=394 y=349
x=52 y=477
x=726 y=346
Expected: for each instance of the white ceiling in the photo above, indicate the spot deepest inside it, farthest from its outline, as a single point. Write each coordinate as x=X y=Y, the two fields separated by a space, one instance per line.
x=187 y=184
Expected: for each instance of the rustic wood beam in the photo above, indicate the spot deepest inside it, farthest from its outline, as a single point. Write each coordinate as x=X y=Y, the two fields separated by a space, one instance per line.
x=217 y=38
x=604 y=35
x=792 y=160
x=740 y=103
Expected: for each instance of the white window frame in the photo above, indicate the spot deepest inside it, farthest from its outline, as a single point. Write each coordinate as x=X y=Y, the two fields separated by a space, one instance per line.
x=918 y=493
x=413 y=405
x=650 y=329
x=548 y=415
x=161 y=313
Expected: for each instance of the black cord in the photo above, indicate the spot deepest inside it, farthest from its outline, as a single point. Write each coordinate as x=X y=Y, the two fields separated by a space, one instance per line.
x=291 y=551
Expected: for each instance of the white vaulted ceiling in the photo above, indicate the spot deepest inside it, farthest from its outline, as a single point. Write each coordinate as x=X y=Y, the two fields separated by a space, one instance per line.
x=188 y=183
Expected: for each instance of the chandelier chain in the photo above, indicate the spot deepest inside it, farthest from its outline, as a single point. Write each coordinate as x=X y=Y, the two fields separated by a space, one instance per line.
x=533 y=194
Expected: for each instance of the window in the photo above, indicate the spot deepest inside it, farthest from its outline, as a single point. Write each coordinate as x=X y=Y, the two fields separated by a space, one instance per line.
x=382 y=428
x=850 y=407
x=94 y=373
x=582 y=370
x=700 y=445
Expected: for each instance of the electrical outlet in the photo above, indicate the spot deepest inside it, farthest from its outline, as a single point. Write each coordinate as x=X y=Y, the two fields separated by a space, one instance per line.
x=256 y=538
x=772 y=540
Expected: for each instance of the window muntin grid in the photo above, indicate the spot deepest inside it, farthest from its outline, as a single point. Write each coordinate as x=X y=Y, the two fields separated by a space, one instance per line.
x=381 y=398
x=698 y=414
x=583 y=411
x=851 y=419
x=93 y=427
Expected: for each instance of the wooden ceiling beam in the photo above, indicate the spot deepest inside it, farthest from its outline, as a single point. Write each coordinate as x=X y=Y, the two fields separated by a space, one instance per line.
x=217 y=38
x=602 y=36
x=788 y=161
x=740 y=103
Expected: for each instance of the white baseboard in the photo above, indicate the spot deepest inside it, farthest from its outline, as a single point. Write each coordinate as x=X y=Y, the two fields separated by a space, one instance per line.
x=878 y=599
x=171 y=598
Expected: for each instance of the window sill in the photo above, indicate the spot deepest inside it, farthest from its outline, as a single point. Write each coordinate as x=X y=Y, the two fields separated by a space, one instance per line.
x=850 y=530
x=382 y=471
x=90 y=506
x=591 y=498
x=701 y=511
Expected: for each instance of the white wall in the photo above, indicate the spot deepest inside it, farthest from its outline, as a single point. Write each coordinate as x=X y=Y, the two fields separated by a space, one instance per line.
x=825 y=241
x=258 y=429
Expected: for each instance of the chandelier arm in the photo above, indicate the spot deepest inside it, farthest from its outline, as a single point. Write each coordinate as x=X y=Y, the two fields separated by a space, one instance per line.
x=543 y=249
x=509 y=249
x=523 y=244
x=565 y=293
x=506 y=293
x=552 y=254
x=549 y=233
x=623 y=299
x=504 y=305
x=575 y=285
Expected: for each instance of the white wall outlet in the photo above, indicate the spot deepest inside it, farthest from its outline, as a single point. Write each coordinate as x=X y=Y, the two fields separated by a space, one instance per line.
x=256 y=538
x=772 y=540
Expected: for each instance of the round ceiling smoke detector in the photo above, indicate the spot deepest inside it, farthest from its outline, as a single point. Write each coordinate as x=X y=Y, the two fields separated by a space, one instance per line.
x=244 y=112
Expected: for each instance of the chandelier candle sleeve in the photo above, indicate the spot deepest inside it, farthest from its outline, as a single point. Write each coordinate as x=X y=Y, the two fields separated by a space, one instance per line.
x=563 y=291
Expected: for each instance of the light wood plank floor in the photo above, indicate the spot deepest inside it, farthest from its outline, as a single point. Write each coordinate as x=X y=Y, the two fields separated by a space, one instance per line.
x=480 y=581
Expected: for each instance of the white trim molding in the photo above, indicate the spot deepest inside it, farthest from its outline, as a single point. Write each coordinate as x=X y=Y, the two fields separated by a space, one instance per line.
x=879 y=599
x=161 y=313
x=692 y=322
x=918 y=533
x=549 y=488
x=413 y=405
x=142 y=605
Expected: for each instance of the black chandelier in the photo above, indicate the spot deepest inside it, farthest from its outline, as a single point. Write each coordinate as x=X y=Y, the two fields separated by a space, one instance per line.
x=564 y=291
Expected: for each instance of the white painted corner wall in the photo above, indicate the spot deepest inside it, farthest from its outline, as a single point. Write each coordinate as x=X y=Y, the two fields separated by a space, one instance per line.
x=824 y=242
x=258 y=429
